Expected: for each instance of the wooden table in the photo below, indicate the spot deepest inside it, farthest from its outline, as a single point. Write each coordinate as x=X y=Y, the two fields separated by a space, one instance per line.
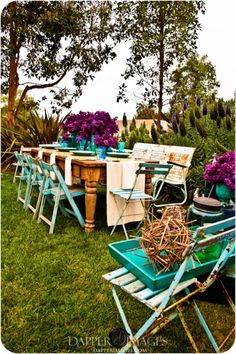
x=92 y=172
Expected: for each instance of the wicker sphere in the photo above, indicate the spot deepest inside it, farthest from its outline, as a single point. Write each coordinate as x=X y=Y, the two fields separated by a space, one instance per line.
x=164 y=240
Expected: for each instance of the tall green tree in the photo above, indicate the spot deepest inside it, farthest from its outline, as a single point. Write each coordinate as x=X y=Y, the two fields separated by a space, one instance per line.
x=197 y=76
x=45 y=40
x=162 y=33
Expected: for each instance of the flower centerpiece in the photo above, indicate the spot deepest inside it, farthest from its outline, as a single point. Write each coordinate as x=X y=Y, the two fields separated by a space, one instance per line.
x=221 y=172
x=97 y=127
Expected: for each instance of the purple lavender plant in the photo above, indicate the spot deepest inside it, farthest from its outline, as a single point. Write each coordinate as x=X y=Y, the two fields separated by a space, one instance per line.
x=185 y=105
x=198 y=101
x=204 y=109
x=228 y=110
x=85 y=124
x=222 y=170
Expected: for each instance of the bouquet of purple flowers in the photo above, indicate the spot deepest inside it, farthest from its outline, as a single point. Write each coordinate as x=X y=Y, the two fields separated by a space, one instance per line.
x=222 y=170
x=84 y=125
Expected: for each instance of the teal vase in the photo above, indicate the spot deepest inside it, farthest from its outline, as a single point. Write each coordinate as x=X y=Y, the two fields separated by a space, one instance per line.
x=101 y=152
x=223 y=192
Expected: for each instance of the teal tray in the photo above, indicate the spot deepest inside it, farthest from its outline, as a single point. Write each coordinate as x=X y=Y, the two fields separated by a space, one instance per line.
x=136 y=262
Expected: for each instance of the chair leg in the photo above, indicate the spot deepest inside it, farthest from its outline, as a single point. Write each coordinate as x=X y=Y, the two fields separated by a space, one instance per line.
x=42 y=204
x=28 y=192
x=15 y=173
x=76 y=210
x=39 y=201
x=63 y=208
x=19 y=192
x=124 y=320
x=120 y=216
x=55 y=209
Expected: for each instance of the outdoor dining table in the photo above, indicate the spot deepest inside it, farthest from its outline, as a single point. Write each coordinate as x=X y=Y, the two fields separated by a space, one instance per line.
x=89 y=170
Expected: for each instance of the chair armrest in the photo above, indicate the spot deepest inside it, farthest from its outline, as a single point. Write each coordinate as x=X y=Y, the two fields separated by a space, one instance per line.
x=177 y=164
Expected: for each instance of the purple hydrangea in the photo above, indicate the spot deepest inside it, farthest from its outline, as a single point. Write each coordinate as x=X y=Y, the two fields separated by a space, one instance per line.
x=222 y=170
x=85 y=124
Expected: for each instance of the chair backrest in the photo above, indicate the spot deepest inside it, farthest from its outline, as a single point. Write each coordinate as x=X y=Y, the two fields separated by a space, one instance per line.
x=224 y=230
x=166 y=154
x=153 y=168
x=47 y=171
x=142 y=151
x=24 y=149
x=22 y=162
x=34 y=167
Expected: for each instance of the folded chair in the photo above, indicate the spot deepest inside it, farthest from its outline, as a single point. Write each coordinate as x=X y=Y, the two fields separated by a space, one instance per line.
x=135 y=195
x=23 y=177
x=17 y=174
x=34 y=182
x=58 y=193
x=183 y=280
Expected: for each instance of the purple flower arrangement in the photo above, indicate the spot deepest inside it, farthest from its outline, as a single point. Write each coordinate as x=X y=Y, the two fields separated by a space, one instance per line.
x=84 y=125
x=222 y=170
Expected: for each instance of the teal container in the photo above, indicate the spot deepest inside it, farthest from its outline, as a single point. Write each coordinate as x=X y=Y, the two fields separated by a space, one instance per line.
x=129 y=254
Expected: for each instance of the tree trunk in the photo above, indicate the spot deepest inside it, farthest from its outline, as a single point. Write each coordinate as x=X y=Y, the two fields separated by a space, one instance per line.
x=13 y=74
x=161 y=67
x=12 y=91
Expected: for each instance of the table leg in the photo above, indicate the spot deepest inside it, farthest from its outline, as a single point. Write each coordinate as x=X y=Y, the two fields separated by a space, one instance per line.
x=90 y=205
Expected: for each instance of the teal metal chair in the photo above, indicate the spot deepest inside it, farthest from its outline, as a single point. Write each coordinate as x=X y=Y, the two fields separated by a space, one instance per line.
x=134 y=195
x=188 y=278
x=57 y=193
x=23 y=177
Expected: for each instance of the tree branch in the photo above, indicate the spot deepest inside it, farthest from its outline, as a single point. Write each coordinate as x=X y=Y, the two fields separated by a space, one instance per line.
x=42 y=86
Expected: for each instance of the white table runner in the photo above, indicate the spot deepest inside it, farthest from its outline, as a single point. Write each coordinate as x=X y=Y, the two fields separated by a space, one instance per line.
x=120 y=175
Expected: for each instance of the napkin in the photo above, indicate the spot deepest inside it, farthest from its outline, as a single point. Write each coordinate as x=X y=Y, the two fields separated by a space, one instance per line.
x=52 y=161
x=128 y=174
x=68 y=172
x=40 y=154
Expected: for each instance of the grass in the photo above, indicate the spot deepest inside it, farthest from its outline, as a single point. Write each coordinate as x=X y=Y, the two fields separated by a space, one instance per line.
x=53 y=297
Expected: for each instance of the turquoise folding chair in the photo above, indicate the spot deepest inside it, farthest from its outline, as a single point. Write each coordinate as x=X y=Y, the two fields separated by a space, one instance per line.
x=58 y=193
x=185 y=279
x=23 y=177
x=135 y=195
x=17 y=173
x=34 y=182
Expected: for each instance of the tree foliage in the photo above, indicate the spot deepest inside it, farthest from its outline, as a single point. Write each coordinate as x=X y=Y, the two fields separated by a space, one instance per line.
x=196 y=76
x=162 y=32
x=45 y=40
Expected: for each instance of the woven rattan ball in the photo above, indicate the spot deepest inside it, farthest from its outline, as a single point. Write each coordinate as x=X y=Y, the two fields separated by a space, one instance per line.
x=164 y=240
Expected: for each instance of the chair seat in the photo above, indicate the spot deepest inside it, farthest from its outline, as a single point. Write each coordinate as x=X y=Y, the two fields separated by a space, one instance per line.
x=136 y=194
x=73 y=191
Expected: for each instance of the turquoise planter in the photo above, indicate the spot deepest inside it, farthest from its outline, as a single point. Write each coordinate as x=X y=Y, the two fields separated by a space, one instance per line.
x=223 y=192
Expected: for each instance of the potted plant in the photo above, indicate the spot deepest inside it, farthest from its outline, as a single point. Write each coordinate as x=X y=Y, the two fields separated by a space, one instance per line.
x=221 y=172
x=98 y=128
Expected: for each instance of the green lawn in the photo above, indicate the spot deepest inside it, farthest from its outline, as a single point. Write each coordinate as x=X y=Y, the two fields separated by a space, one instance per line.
x=53 y=297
